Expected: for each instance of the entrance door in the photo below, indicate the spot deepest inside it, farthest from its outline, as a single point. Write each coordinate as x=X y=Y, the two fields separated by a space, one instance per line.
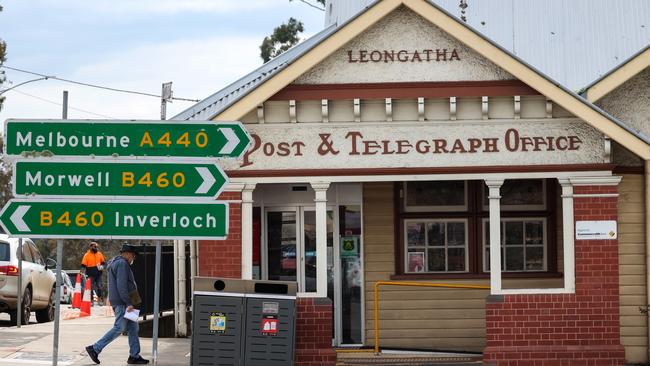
x=290 y=239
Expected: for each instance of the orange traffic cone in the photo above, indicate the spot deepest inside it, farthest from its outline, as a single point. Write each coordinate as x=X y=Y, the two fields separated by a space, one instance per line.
x=76 y=296
x=85 y=303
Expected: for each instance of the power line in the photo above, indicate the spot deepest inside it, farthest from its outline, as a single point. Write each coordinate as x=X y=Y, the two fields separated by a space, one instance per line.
x=59 y=104
x=95 y=85
x=312 y=5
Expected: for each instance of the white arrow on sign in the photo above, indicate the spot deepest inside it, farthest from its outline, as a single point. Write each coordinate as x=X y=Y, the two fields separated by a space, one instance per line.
x=17 y=218
x=232 y=143
x=208 y=180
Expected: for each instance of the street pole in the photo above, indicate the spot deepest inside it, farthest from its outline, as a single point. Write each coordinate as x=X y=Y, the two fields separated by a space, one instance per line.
x=19 y=299
x=156 y=305
x=57 y=294
x=59 y=258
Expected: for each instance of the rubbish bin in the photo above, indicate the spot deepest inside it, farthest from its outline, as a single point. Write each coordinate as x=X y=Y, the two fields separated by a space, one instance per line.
x=243 y=323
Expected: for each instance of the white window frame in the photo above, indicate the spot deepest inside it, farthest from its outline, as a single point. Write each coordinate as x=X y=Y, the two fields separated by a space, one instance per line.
x=486 y=259
x=449 y=208
x=446 y=247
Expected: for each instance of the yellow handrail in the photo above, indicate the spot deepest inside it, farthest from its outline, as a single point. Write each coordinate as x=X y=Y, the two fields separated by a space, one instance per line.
x=414 y=284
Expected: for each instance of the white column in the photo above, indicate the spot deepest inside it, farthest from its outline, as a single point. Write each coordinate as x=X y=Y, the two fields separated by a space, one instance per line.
x=567 y=236
x=247 y=231
x=321 y=237
x=495 y=234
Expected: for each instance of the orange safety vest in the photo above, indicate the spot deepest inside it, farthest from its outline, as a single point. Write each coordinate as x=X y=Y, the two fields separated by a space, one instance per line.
x=91 y=259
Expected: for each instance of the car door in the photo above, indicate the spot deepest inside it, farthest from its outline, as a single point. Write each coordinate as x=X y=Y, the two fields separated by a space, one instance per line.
x=41 y=283
x=28 y=267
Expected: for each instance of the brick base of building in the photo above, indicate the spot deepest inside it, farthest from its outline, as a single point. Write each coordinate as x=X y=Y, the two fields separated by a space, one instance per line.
x=555 y=356
x=314 y=332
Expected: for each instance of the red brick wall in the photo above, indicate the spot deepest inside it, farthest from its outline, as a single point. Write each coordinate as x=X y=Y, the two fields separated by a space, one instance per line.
x=314 y=332
x=573 y=329
x=222 y=258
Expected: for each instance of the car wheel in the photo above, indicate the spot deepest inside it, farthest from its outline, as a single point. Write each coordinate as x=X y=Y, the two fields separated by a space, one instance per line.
x=47 y=314
x=25 y=309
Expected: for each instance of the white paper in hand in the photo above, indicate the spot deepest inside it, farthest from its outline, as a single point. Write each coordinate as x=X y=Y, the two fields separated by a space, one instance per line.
x=132 y=315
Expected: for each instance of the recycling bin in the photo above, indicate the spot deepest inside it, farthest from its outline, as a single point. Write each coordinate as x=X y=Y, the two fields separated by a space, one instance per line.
x=243 y=322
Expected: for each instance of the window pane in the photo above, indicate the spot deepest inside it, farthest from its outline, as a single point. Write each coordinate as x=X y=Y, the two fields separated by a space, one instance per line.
x=415 y=234
x=436 y=231
x=522 y=192
x=534 y=258
x=487 y=260
x=415 y=260
x=435 y=193
x=456 y=259
x=436 y=260
x=535 y=233
x=515 y=259
x=514 y=233
x=456 y=233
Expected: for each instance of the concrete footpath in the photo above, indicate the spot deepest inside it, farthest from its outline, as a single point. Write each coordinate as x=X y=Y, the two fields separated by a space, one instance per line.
x=32 y=344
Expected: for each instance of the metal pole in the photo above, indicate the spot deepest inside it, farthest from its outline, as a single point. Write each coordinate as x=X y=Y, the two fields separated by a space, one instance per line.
x=57 y=294
x=19 y=299
x=59 y=258
x=176 y=280
x=182 y=290
x=156 y=306
x=65 y=105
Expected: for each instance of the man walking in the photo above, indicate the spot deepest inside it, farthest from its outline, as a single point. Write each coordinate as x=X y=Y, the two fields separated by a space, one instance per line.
x=94 y=263
x=123 y=294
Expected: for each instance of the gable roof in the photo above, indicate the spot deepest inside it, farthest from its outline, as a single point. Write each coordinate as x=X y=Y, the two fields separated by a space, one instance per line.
x=551 y=35
x=617 y=76
x=328 y=41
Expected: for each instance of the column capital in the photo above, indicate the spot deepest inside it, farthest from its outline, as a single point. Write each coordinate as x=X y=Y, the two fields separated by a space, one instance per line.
x=249 y=187
x=595 y=181
x=320 y=186
x=234 y=187
x=494 y=183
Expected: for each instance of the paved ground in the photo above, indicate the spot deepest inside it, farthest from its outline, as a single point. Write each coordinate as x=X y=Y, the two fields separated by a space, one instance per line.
x=32 y=344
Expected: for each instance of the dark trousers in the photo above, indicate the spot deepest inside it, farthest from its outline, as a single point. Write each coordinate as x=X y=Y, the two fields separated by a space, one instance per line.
x=96 y=285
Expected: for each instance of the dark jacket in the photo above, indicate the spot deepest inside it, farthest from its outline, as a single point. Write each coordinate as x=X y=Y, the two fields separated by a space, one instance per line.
x=120 y=281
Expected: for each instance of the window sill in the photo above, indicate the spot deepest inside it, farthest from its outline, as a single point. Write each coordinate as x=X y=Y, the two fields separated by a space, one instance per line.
x=433 y=276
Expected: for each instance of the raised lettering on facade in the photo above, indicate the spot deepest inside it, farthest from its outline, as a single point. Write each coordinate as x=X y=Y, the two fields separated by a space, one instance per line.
x=386 y=56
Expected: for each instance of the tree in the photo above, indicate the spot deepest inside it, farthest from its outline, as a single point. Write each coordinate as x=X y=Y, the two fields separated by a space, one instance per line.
x=5 y=178
x=283 y=37
x=3 y=50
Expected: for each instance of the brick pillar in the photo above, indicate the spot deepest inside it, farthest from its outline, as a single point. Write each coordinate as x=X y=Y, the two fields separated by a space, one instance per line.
x=222 y=258
x=565 y=329
x=314 y=332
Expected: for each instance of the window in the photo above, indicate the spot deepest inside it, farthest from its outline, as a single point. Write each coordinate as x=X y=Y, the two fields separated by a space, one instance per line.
x=522 y=245
x=435 y=195
x=443 y=228
x=436 y=246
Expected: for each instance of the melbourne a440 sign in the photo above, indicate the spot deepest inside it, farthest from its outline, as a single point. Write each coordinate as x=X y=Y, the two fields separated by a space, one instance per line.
x=124 y=139
x=119 y=179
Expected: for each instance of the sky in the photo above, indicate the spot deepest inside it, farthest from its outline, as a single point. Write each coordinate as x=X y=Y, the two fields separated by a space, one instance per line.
x=199 y=45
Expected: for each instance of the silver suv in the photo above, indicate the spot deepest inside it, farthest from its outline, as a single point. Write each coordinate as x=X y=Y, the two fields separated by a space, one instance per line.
x=38 y=281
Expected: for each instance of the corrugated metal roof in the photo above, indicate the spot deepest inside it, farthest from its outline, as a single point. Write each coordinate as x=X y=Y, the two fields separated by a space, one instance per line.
x=211 y=106
x=572 y=41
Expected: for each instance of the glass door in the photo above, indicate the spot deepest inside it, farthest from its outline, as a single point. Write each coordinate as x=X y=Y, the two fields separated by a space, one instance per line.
x=290 y=235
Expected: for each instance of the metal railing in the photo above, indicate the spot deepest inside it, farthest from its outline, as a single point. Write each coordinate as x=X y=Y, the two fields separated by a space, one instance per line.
x=412 y=284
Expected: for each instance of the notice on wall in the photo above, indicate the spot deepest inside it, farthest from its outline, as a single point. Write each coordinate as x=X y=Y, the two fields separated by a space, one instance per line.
x=270 y=322
x=217 y=323
x=596 y=230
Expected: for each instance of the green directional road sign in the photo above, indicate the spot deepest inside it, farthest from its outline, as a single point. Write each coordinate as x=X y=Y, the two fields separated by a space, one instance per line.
x=102 y=138
x=105 y=219
x=125 y=178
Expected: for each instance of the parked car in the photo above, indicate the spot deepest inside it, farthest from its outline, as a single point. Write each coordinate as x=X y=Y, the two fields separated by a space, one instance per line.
x=67 y=288
x=38 y=281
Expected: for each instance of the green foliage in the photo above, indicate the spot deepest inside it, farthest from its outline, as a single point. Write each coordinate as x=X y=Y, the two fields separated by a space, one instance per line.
x=283 y=37
x=5 y=178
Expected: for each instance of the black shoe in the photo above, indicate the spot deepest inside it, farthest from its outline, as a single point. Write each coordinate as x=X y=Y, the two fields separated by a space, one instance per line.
x=93 y=355
x=137 y=361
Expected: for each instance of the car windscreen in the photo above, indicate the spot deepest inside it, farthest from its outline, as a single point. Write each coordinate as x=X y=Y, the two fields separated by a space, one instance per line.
x=4 y=252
